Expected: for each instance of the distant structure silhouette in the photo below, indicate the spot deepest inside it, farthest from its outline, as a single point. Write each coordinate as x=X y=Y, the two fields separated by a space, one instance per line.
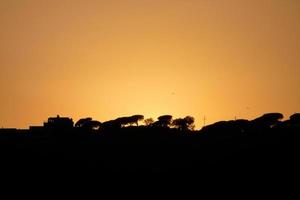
x=59 y=123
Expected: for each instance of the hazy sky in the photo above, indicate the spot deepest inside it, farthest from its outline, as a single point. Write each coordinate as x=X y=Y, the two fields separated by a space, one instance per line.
x=111 y=58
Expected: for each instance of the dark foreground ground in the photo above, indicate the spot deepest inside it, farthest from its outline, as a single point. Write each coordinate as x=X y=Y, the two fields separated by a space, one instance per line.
x=150 y=150
x=261 y=156
x=220 y=156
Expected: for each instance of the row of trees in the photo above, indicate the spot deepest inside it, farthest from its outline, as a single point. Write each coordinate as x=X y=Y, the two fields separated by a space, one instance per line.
x=164 y=121
x=263 y=123
x=268 y=120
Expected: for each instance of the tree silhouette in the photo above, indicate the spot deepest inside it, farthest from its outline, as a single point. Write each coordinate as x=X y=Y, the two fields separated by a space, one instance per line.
x=149 y=121
x=163 y=121
x=136 y=118
x=268 y=120
x=92 y=125
x=125 y=121
x=186 y=123
x=88 y=123
x=111 y=125
x=80 y=123
x=295 y=118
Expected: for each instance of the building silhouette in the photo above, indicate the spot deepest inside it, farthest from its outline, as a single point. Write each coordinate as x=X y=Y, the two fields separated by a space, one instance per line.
x=59 y=123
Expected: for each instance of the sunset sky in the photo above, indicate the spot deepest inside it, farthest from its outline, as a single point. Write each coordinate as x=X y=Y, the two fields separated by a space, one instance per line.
x=111 y=58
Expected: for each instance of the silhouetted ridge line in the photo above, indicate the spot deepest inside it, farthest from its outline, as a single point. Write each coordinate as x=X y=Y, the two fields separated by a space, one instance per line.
x=134 y=143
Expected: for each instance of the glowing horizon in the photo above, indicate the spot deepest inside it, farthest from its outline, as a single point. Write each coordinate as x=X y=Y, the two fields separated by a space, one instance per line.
x=106 y=59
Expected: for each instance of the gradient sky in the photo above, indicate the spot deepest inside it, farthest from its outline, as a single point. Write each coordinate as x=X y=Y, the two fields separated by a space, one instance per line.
x=111 y=58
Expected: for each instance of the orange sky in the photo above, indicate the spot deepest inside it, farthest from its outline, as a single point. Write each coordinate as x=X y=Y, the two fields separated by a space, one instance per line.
x=105 y=59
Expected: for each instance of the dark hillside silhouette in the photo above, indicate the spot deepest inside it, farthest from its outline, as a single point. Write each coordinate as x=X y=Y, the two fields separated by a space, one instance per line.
x=262 y=145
